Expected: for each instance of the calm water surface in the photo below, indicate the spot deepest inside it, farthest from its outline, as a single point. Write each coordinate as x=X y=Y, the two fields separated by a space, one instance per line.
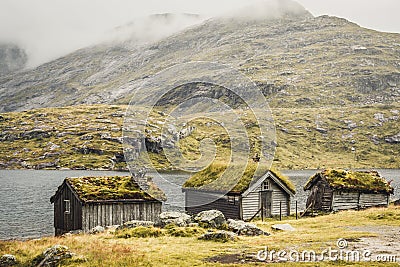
x=26 y=211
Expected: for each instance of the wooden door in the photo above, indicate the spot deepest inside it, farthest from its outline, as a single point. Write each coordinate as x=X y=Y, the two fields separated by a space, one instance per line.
x=266 y=203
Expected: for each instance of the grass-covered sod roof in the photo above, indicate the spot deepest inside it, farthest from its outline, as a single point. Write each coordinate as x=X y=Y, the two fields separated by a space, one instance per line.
x=107 y=188
x=206 y=179
x=361 y=181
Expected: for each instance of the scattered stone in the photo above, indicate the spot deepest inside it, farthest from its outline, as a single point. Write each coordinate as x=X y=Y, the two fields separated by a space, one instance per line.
x=219 y=236
x=52 y=256
x=243 y=228
x=393 y=139
x=97 y=230
x=210 y=219
x=8 y=260
x=380 y=117
x=321 y=130
x=135 y=223
x=86 y=137
x=283 y=227
x=35 y=134
x=176 y=218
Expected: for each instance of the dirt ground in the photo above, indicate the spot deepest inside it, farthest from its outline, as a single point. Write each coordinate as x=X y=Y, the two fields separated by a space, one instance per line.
x=387 y=241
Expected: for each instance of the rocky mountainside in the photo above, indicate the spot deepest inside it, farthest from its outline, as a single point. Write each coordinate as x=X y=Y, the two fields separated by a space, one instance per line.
x=12 y=58
x=296 y=59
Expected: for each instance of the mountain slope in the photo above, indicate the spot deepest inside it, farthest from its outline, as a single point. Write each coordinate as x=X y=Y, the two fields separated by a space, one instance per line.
x=297 y=60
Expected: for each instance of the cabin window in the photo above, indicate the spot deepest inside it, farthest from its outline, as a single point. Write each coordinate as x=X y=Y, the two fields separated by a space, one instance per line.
x=266 y=185
x=67 y=206
x=233 y=199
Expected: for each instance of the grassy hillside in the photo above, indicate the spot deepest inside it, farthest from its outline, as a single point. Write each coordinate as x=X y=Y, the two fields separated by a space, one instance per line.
x=320 y=233
x=89 y=137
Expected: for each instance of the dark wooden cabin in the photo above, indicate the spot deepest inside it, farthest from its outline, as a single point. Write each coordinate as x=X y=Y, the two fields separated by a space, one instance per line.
x=266 y=196
x=86 y=202
x=332 y=190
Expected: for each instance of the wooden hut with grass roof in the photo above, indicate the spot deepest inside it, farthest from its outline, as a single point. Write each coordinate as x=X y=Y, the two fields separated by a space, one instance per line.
x=86 y=202
x=266 y=196
x=332 y=190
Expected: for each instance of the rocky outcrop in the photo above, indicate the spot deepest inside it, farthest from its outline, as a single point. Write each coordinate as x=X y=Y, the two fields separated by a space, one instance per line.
x=243 y=228
x=219 y=236
x=8 y=260
x=175 y=218
x=395 y=139
x=210 y=219
x=53 y=256
x=135 y=223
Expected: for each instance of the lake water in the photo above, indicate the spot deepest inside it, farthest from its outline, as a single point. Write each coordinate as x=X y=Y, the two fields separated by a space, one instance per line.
x=26 y=211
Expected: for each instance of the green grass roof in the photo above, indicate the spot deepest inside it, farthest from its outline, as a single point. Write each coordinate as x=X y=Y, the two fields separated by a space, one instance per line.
x=204 y=180
x=107 y=188
x=362 y=181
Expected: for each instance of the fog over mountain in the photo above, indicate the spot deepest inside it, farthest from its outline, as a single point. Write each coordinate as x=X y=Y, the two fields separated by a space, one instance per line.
x=48 y=29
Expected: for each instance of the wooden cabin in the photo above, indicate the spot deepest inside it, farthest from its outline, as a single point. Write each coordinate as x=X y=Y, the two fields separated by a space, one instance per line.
x=332 y=190
x=266 y=196
x=84 y=203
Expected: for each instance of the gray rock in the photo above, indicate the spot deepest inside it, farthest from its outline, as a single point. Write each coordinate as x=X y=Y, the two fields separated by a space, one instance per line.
x=219 y=236
x=283 y=227
x=397 y=202
x=53 y=256
x=210 y=218
x=135 y=223
x=8 y=260
x=34 y=134
x=321 y=130
x=97 y=230
x=243 y=228
x=176 y=218
x=393 y=139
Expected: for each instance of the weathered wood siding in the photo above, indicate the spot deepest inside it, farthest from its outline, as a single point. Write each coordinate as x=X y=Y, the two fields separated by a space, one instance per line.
x=321 y=196
x=65 y=222
x=107 y=214
x=372 y=200
x=194 y=202
x=345 y=200
x=355 y=200
x=251 y=203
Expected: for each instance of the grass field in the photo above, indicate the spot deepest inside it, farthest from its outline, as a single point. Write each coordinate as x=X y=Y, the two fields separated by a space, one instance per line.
x=316 y=233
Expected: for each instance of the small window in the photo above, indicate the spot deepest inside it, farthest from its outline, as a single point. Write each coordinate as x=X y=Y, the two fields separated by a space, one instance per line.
x=266 y=185
x=233 y=199
x=67 y=206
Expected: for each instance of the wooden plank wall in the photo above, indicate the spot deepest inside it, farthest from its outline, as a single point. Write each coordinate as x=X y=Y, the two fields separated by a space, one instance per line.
x=64 y=222
x=345 y=200
x=371 y=200
x=107 y=214
x=251 y=203
x=195 y=203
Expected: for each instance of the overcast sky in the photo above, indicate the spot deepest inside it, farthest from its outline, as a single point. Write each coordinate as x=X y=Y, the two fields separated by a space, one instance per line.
x=51 y=28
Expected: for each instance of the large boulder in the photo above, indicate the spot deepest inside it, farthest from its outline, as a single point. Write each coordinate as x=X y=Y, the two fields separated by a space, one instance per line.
x=97 y=230
x=135 y=223
x=8 y=260
x=219 y=236
x=53 y=256
x=174 y=217
x=210 y=219
x=283 y=227
x=243 y=228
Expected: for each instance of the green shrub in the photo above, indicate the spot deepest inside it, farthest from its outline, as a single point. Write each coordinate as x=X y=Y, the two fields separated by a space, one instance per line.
x=185 y=231
x=139 y=232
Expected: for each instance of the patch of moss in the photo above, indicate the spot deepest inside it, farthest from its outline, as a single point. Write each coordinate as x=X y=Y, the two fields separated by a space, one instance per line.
x=141 y=232
x=107 y=188
x=207 y=177
x=362 y=181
